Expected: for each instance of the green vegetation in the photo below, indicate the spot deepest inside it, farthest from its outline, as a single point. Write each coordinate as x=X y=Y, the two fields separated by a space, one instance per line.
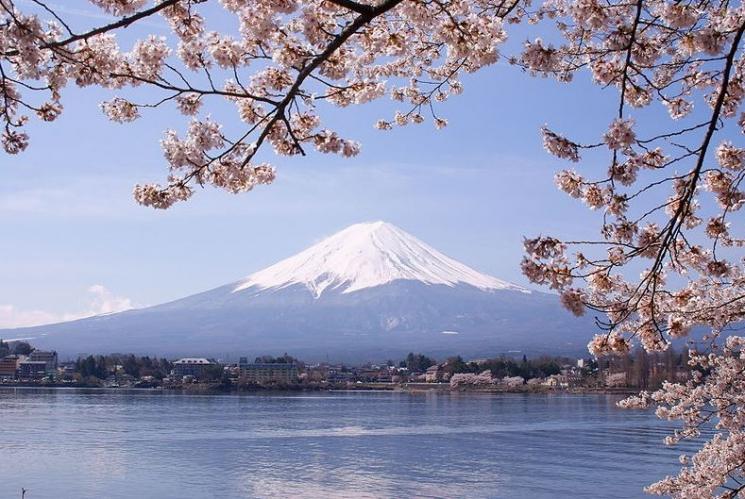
x=284 y=359
x=20 y=348
x=102 y=366
x=417 y=362
x=501 y=367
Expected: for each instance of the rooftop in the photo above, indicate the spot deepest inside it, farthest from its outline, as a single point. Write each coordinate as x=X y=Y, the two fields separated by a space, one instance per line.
x=270 y=365
x=193 y=360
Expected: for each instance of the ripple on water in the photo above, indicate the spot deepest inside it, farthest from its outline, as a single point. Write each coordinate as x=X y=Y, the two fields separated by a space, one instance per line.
x=91 y=444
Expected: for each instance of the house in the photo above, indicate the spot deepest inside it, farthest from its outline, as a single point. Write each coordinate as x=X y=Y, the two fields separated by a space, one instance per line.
x=433 y=374
x=68 y=368
x=49 y=358
x=269 y=373
x=192 y=366
x=557 y=381
x=8 y=367
x=371 y=374
x=339 y=375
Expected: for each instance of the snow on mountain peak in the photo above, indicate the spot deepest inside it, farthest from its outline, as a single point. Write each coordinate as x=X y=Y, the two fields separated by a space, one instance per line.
x=366 y=255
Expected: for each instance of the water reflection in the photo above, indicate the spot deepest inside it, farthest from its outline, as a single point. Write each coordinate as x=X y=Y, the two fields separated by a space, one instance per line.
x=93 y=444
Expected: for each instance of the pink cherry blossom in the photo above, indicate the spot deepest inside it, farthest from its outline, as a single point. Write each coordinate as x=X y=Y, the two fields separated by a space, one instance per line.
x=665 y=191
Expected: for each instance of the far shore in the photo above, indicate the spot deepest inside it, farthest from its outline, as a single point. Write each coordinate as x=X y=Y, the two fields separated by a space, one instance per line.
x=218 y=389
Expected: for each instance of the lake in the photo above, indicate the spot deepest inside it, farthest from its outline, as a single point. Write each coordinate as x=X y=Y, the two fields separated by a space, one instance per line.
x=65 y=443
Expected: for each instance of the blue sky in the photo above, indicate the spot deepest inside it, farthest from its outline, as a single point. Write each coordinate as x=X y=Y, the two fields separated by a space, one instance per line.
x=471 y=190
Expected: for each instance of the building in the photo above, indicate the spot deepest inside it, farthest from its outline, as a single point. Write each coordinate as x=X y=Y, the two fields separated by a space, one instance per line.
x=339 y=375
x=68 y=367
x=49 y=358
x=32 y=369
x=371 y=374
x=8 y=367
x=269 y=373
x=433 y=374
x=192 y=367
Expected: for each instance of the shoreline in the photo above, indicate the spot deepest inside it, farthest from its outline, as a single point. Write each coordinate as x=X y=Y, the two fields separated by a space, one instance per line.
x=414 y=388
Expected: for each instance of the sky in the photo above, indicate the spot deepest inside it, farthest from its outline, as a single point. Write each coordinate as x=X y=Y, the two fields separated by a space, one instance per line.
x=74 y=242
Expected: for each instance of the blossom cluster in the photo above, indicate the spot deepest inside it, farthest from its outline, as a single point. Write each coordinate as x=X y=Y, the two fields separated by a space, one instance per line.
x=466 y=379
x=287 y=57
x=712 y=399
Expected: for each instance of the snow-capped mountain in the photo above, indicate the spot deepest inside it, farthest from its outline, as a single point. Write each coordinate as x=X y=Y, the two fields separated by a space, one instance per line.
x=368 y=292
x=367 y=255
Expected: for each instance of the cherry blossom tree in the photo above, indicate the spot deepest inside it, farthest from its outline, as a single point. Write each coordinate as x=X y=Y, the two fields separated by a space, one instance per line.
x=287 y=58
x=460 y=380
x=666 y=200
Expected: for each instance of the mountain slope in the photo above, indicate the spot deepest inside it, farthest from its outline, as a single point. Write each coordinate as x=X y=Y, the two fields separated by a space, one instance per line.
x=366 y=293
x=368 y=255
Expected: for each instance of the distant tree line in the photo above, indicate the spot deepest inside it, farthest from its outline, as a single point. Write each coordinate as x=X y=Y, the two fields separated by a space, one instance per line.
x=417 y=362
x=503 y=366
x=102 y=366
x=645 y=370
x=283 y=359
x=500 y=366
x=14 y=348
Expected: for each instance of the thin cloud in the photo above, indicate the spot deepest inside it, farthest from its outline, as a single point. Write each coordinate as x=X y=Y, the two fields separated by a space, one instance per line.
x=101 y=301
x=84 y=198
x=90 y=14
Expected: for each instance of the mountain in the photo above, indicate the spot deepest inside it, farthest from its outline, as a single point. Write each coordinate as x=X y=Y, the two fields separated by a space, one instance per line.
x=365 y=256
x=369 y=292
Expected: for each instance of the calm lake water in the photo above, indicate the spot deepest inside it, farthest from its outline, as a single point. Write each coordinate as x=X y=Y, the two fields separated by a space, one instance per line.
x=117 y=444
